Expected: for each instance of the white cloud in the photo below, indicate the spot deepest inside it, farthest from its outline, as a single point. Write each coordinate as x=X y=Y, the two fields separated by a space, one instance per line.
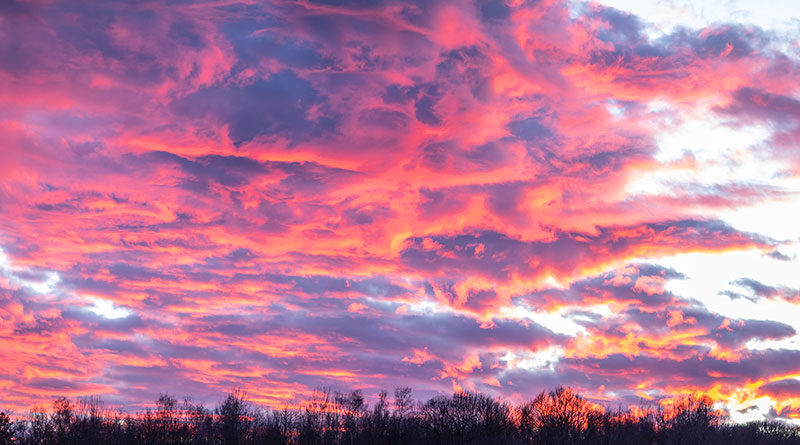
x=107 y=309
x=666 y=15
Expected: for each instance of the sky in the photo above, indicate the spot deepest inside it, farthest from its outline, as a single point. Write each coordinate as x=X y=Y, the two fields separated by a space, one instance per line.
x=489 y=195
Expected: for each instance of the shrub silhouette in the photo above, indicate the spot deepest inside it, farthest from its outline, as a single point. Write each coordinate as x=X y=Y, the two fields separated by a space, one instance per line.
x=559 y=416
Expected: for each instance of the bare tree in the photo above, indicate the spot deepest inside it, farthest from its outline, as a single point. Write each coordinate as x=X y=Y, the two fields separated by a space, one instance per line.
x=467 y=418
x=557 y=416
x=234 y=416
x=6 y=428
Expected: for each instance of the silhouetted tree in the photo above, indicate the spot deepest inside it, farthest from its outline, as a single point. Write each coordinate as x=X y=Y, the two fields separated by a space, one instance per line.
x=559 y=416
x=467 y=418
x=624 y=427
x=403 y=402
x=88 y=422
x=62 y=419
x=375 y=426
x=234 y=417
x=352 y=409
x=689 y=419
x=6 y=429
x=198 y=423
x=762 y=433
x=317 y=423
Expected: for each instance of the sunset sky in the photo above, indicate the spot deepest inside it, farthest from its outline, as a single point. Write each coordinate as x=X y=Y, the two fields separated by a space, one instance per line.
x=491 y=195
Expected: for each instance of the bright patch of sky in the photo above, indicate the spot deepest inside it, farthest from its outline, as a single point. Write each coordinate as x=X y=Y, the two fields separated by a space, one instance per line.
x=47 y=284
x=544 y=359
x=555 y=320
x=44 y=285
x=720 y=154
x=666 y=15
x=107 y=309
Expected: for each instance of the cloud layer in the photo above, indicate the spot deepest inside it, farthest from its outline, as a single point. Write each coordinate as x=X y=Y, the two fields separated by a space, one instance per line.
x=285 y=195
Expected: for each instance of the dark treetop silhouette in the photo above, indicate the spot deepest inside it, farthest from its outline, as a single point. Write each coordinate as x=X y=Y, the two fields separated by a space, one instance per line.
x=560 y=416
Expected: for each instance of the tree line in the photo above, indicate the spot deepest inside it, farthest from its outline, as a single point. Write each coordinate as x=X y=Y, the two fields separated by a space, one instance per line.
x=559 y=416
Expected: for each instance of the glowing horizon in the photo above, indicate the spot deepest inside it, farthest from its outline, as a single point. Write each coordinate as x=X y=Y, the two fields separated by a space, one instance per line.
x=495 y=195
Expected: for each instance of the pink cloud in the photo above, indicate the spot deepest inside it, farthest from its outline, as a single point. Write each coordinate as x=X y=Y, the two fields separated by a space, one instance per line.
x=283 y=196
